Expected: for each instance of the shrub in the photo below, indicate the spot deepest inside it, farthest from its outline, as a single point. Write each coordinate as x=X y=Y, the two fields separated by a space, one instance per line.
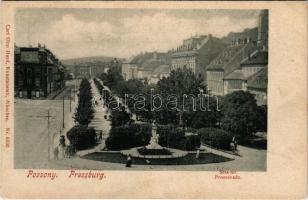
x=120 y=117
x=136 y=135
x=254 y=142
x=174 y=137
x=82 y=137
x=217 y=138
x=192 y=142
x=128 y=136
x=170 y=136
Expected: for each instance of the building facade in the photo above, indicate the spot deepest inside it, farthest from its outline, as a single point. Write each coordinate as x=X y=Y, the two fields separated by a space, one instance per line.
x=129 y=70
x=83 y=71
x=252 y=76
x=257 y=85
x=196 y=53
x=95 y=68
x=235 y=81
x=245 y=56
x=163 y=71
x=37 y=72
x=144 y=74
x=228 y=61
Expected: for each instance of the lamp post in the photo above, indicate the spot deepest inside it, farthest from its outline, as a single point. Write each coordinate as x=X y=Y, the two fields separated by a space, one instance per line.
x=63 y=112
x=70 y=99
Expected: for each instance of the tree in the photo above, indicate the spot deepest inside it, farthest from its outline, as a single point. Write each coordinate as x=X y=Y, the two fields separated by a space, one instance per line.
x=84 y=112
x=262 y=118
x=239 y=113
x=185 y=88
x=120 y=117
x=112 y=78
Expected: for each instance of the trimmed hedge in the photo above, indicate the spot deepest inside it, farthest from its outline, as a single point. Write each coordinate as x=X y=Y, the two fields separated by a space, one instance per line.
x=82 y=137
x=174 y=137
x=215 y=137
x=128 y=136
x=136 y=135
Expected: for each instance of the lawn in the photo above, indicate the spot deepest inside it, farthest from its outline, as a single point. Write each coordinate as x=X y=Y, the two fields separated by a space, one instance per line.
x=189 y=159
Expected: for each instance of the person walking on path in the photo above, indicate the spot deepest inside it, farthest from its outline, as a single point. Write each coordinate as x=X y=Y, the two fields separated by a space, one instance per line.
x=198 y=154
x=129 y=161
x=234 y=141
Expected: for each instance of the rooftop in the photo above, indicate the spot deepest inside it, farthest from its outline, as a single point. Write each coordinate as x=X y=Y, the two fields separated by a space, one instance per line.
x=162 y=69
x=233 y=60
x=257 y=57
x=235 y=75
x=224 y=57
x=258 y=80
x=193 y=43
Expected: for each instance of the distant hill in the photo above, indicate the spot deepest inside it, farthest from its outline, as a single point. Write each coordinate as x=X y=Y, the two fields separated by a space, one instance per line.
x=92 y=59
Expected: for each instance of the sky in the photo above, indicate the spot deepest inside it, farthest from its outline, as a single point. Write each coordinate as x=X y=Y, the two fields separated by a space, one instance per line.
x=122 y=33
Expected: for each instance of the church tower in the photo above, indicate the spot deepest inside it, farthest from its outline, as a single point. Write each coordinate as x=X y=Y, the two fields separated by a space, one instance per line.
x=263 y=29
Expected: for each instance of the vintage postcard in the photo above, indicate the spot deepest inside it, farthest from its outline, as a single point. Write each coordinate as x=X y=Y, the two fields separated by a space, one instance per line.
x=154 y=100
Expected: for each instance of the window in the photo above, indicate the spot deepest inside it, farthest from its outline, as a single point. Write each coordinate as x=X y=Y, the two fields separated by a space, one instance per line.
x=37 y=82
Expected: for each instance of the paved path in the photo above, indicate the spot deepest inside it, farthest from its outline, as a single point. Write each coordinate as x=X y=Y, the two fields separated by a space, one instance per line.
x=119 y=100
x=99 y=123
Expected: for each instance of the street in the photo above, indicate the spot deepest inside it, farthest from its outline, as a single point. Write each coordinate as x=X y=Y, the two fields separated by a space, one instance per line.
x=31 y=135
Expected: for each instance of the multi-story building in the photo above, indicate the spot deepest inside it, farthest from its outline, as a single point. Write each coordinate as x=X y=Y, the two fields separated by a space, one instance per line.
x=196 y=53
x=144 y=73
x=83 y=71
x=94 y=68
x=234 y=81
x=245 y=56
x=160 y=72
x=257 y=85
x=144 y=65
x=253 y=63
x=37 y=72
x=228 y=61
x=129 y=69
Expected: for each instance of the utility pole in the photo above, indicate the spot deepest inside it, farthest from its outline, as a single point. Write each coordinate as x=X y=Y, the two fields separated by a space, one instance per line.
x=48 y=116
x=63 y=113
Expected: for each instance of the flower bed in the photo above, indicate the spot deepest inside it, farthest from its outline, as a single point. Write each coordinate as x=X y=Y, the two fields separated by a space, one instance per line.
x=145 y=151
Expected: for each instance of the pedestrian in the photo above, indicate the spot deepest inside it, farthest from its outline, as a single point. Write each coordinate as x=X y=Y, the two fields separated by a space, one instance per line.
x=198 y=154
x=100 y=135
x=62 y=140
x=56 y=153
x=234 y=141
x=129 y=161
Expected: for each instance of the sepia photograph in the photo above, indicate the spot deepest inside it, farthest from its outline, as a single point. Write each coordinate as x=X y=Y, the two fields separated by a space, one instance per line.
x=141 y=89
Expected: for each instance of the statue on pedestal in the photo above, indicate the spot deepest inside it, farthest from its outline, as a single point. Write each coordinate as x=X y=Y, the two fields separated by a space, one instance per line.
x=154 y=139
